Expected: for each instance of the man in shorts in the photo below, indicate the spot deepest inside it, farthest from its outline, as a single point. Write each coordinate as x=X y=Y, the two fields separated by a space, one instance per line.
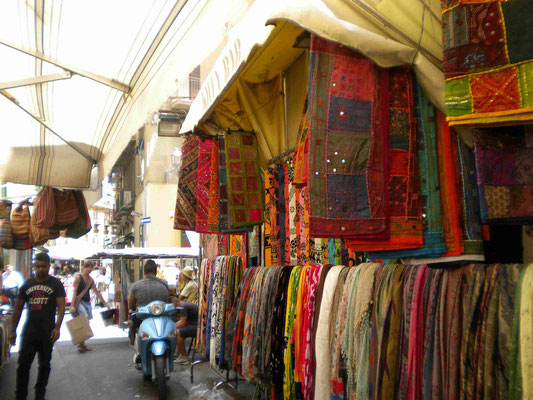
x=185 y=327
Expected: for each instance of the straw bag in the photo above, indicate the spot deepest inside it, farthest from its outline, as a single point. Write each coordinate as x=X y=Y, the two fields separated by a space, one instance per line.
x=20 y=221
x=6 y=235
x=66 y=208
x=82 y=225
x=44 y=209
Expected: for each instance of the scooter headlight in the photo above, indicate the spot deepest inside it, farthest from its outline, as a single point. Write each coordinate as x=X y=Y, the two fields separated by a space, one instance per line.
x=157 y=308
x=145 y=336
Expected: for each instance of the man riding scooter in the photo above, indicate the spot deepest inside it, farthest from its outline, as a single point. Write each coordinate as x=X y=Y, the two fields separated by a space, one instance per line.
x=145 y=291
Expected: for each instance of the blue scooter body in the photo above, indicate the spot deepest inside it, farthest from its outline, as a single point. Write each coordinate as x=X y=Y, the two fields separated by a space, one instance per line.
x=158 y=336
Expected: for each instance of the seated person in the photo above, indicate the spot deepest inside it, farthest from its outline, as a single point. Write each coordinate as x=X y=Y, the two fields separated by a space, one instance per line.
x=145 y=291
x=185 y=327
x=189 y=293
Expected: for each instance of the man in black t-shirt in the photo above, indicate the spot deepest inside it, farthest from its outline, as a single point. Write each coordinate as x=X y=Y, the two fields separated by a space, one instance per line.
x=44 y=294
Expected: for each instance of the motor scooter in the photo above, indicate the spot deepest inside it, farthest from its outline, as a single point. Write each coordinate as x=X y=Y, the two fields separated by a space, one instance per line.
x=156 y=343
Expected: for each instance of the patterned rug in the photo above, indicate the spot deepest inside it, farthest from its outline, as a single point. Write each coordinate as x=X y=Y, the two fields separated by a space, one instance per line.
x=185 y=213
x=348 y=139
x=488 y=61
x=205 y=152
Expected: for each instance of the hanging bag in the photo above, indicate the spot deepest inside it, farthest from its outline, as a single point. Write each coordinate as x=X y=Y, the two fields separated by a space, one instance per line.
x=6 y=235
x=82 y=225
x=44 y=210
x=38 y=236
x=66 y=208
x=20 y=221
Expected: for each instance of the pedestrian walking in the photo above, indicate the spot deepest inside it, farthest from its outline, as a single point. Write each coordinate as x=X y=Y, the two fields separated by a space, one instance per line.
x=81 y=304
x=44 y=294
x=11 y=282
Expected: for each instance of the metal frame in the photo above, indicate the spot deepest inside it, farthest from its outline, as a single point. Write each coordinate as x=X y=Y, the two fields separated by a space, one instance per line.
x=36 y=80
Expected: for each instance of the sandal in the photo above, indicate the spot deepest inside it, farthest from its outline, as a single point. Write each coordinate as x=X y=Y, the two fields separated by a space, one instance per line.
x=81 y=349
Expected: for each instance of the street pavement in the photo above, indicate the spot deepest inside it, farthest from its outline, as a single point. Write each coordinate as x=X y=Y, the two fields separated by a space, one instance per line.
x=107 y=373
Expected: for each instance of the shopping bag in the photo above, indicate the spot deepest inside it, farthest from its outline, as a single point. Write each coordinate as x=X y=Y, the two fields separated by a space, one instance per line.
x=66 y=208
x=20 y=221
x=44 y=209
x=82 y=225
x=79 y=329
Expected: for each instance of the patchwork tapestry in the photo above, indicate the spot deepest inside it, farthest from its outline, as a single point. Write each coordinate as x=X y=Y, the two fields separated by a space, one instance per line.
x=449 y=196
x=205 y=152
x=404 y=184
x=426 y=142
x=245 y=190
x=488 y=61
x=185 y=213
x=504 y=162
x=348 y=140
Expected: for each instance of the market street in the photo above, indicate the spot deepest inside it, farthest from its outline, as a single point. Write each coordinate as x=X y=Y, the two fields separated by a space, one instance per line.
x=106 y=372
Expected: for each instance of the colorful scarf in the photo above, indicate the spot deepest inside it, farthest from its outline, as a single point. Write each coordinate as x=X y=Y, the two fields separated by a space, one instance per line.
x=449 y=197
x=289 y=389
x=185 y=213
x=291 y=216
x=347 y=144
x=469 y=196
x=271 y=226
x=504 y=161
x=203 y=181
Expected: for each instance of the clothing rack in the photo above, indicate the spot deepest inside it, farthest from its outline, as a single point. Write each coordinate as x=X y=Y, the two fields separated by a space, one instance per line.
x=280 y=156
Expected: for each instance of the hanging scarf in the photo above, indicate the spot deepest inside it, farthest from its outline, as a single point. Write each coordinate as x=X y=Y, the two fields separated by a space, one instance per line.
x=271 y=225
x=301 y=153
x=289 y=390
x=213 y=209
x=515 y=369
x=526 y=333
x=291 y=215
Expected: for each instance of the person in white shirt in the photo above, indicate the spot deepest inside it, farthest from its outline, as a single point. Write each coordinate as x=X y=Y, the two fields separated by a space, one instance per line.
x=11 y=282
x=171 y=274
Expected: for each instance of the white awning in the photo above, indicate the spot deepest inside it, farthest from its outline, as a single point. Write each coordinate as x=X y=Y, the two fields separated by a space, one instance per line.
x=78 y=79
x=148 y=252
x=389 y=32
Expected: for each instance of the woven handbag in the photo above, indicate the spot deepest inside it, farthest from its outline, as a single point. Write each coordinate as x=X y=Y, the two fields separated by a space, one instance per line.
x=6 y=235
x=44 y=209
x=20 y=221
x=82 y=225
x=66 y=208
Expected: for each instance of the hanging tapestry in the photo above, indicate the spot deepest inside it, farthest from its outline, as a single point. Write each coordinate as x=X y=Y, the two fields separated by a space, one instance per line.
x=449 y=197
x=272 y=226
x=348 y=141
x=213 y=209
x=404 y=184
x=185 y=213
x=428 y=166
x=469 y=206
x=203 y=181
x=245 y=191
x=301 y=152
x=504 y=161
x=488 y=61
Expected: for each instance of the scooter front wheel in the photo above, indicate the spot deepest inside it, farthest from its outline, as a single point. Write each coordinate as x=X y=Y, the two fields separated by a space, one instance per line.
x=161 y=377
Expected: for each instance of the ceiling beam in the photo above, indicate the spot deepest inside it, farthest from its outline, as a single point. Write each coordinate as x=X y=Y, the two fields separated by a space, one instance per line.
x=45 y=124
x=95 y=77
x=35 y=80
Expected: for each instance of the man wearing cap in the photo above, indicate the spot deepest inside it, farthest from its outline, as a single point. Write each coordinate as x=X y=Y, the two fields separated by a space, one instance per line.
x=189 y=293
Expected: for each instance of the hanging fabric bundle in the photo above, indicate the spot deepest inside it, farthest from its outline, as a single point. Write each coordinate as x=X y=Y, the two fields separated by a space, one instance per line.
x=185 y=213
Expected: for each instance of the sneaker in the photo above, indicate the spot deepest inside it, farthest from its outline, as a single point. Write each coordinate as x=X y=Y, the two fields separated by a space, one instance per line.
x=181 y=360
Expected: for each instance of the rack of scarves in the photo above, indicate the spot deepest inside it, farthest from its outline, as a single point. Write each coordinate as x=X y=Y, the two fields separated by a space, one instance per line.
x=379 y=331
x=219 y=281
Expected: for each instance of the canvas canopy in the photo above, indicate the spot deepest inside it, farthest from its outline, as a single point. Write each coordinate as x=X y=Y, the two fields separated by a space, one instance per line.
x=260 y=63
x=79 y=79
